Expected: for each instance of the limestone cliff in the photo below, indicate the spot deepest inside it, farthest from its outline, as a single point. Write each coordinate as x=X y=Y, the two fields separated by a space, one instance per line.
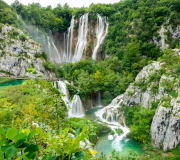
x=18 y=53
x=156 y=83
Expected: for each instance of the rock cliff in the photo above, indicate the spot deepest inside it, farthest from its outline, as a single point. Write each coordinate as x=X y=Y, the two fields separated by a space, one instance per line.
x=18 y=53
x=157 y=83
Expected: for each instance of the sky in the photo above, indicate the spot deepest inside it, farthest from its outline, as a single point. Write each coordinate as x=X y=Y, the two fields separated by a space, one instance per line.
x=71 y=3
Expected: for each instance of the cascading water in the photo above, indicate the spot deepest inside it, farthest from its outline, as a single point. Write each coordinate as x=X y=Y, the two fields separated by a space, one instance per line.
x=75 y=105
x=100 y=33
x=68 y=53
x=82 y=38
x=53 y=51
x=107 y=115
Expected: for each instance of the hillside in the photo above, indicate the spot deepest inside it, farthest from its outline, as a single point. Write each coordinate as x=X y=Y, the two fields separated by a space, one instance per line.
x=18 y=53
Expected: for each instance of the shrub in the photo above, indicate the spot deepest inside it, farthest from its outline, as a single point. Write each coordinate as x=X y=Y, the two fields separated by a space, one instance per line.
x=22 y=37
x=0 y=27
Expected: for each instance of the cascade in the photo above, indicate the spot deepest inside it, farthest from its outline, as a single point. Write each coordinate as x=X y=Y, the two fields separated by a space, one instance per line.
x=49 y=48
x=82 y=38
x=53 y=52
x=76 y=107
x=68 y=53
x=100 y=35
x=76 y=104
x=109 y=115
x=98 y=100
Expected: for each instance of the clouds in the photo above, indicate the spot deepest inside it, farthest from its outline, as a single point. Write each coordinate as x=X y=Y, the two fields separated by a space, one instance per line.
x=71 y=3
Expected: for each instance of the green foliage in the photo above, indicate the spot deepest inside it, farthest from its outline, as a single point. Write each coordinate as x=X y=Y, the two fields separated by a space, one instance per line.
x=12 y=142
x=139 y=120
x=166 y=102
x=22 y=37
x=0 y=27
x=173 y=93
x=119 y=131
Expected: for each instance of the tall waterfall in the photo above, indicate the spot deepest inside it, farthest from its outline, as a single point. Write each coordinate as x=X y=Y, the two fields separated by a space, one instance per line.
x=75 y=105
x=82 y=38
x=100 y=33
x=68 y=52
x=54 y=54
x=109 y=114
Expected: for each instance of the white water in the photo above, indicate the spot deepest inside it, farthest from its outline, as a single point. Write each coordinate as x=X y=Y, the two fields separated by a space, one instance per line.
x=68 y=54
x=100 y=33
x=114 y=122
x=75 y=105
x=54 y=54
x=82 y=38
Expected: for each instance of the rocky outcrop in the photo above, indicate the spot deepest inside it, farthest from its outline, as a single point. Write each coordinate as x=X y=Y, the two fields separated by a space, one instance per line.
x=149 y=86
x=162 y=33
x=16 y=56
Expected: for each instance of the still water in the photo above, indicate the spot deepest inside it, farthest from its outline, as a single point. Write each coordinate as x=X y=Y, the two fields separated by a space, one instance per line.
x=12 y=82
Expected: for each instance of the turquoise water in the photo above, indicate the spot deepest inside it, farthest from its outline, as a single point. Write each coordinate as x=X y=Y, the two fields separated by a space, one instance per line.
x=123 y=146
x=12 y=83
x=107 y=146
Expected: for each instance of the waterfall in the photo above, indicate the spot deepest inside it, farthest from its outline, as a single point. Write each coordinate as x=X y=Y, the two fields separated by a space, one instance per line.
x=109 y=115
x=100 y=35
x=49 y=48
x=53 y=51
x=69 y=42
x=82 y=38
x=75 y=105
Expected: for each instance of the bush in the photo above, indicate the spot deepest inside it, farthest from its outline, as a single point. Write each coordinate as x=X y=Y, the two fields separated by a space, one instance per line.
x=0 y=27
x=22 y=37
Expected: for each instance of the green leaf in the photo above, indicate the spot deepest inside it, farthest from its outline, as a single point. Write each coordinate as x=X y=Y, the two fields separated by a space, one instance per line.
x=80 y=154
x=3 y=148
x=10 y=152
x=1 y=155
x=19 y=142
x=21 y=136
x=23 y=145
x=11 y=133
x=40 y=131
x=59 y=151
x=31 y=134
x=31 y=155
x=23 y=157
x=31 y=148
x=2 y=136
x=77 y=132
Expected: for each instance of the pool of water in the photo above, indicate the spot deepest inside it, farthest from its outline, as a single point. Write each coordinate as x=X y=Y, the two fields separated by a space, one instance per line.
x=107 y=146
x=123 y=146
x=12 y=82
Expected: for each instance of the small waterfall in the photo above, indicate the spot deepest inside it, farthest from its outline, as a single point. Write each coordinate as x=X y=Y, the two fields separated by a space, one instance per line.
x=76 y=104
x=110 y=114
x=82 y=38
x=53 y=51
x=98 y=100
x=76 y=107
x=49 y=48
x=69 y=41
x=100 y=35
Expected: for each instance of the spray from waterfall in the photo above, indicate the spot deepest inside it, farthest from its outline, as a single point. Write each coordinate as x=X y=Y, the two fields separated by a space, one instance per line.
x=53 y=51
x=75 y=105
x=68 y=53
x=100 y=33
x=82 y=38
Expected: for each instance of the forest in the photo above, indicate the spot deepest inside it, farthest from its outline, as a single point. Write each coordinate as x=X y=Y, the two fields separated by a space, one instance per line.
x=129 y=44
